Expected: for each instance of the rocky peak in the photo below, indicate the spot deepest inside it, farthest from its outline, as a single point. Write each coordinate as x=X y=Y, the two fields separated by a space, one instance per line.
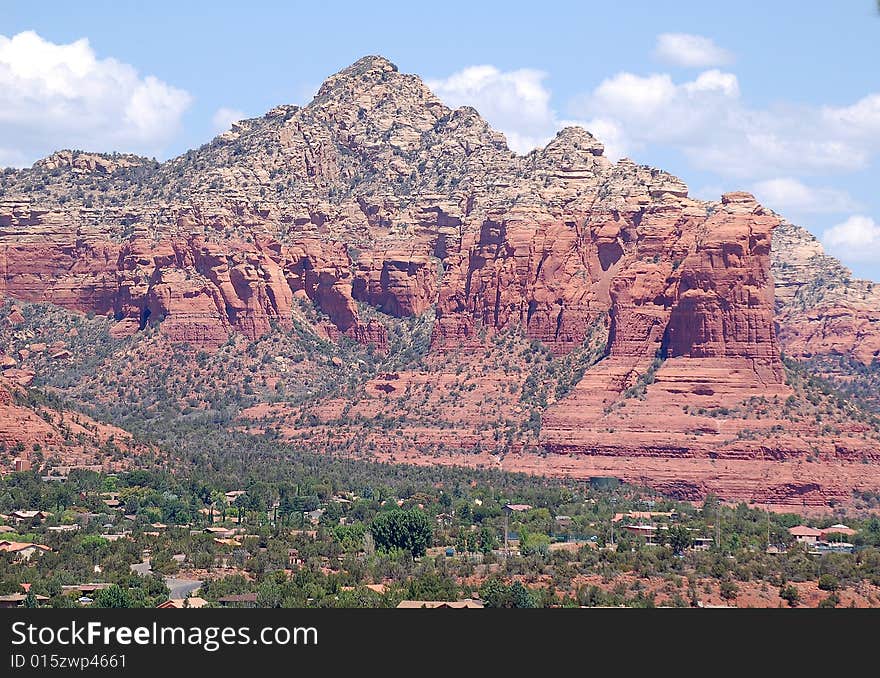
x=576 y=139
x=820 y=307
x=465 y=126
x=369 y=66
x=630 y=186
x=573 y=156
x=739 y=201
x=373 y=88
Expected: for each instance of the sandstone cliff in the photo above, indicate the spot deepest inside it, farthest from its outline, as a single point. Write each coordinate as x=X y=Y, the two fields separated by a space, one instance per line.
x=377 y=201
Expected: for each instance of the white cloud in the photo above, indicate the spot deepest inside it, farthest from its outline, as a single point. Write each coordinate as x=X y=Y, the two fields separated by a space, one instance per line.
x=856 y=239
x=224 y=117
x=792 y=197
x=707 y=120
x=643 y=96
x=774 y=150
x=691 y=51
x=653 y=109
x=859 y=120
x=714 y=81
x=56 y=96
x=515 y=102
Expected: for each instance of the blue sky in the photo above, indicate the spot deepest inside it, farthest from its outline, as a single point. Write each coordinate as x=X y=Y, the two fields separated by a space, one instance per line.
x=780 y=98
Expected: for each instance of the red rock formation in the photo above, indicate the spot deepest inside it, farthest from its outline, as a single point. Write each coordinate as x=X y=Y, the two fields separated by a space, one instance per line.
x=723 y=297
x=708 y=313
x=73 y=274
x=322 y=271
x=198 y=290
x=15 y=317
x=400 y=283
x=518 y=271
x=377 y=193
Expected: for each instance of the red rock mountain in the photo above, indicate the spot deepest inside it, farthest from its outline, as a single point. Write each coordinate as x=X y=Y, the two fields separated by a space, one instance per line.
x=376 y=197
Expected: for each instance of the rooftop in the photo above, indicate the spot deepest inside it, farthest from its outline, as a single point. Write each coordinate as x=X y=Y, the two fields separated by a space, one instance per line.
x=804 y=531
x=434 y=604
x=180 y=603
x=15 y=546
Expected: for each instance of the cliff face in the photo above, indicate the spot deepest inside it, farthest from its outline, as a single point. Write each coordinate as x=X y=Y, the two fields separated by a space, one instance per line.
x=691 y=326
x=376 y=194
x=379 y=193
x=515 y=271
x=196 y=289
x=400 y=283
x=723 y=291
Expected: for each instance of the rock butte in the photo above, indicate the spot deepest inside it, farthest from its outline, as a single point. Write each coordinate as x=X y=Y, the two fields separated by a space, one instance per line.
x=376 y=193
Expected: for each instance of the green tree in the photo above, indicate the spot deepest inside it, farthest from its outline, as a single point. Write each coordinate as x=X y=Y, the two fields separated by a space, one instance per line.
x=349 y=537
x=711 y=505
x=30 y=600
x=790 y=594
x=521 y=597
x=409 y=530
x=269 y=594
x=679 y=538
x=833 y=600
x=729 y=589
x=66 y=602
x=531 y=543
x=828 y=582
x=495 y=593
x=488 y=540
x=432 y=586
x=113 y=596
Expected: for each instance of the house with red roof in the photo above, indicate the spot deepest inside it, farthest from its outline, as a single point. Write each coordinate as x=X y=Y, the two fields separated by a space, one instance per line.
x=805 y=535
x=23 y=550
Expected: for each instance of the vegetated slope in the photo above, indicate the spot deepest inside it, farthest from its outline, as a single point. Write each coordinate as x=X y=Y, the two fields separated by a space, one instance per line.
x=43 y=431
x=578 y=307
x=827 y=319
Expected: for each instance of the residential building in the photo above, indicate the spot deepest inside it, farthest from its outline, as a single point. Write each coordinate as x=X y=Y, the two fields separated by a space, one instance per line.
x=702 y=543
x=85 y=589
x=192 y=602
x=23 y=515
x=220 y=532
x=467 y=603
x=239 y=600
x=646 y=531
x=837 y=532
x=804 y=534
x=17 y=600
x=23 y=550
